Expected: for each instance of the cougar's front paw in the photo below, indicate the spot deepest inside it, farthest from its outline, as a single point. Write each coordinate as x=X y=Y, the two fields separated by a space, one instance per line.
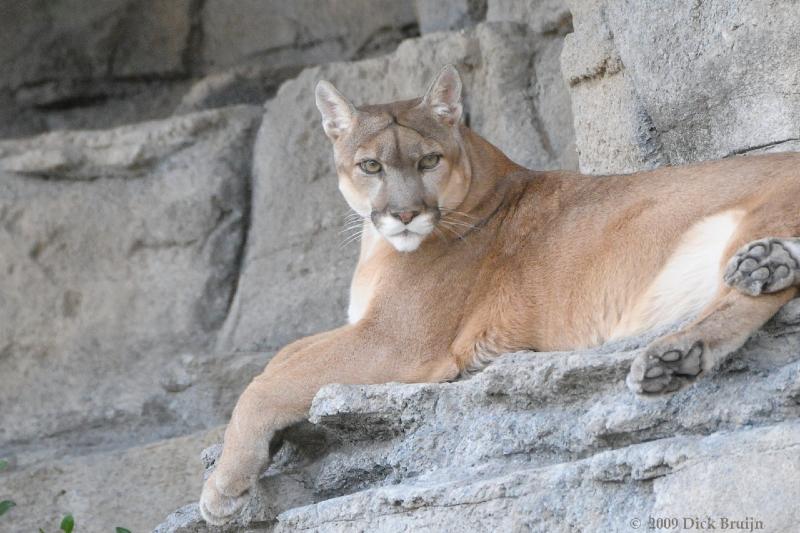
x=762 y=266
x=216 y=507
x=666 y=366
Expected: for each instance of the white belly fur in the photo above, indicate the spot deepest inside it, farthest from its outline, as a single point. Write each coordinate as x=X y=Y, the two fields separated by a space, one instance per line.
x=689 y=280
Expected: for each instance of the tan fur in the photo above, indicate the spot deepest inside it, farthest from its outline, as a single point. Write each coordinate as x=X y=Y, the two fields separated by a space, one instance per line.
x=531 y=260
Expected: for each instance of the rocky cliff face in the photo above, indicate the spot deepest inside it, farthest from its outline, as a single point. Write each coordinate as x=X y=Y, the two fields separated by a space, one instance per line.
x=151 y=269
x=542 y=442
x=79 y=64
x=676 y=82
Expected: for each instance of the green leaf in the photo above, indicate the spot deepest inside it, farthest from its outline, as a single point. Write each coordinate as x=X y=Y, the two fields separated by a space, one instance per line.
x=122 y=530
x=5 y=505
x=68 y=524
x=3 y=464
x=41 y=530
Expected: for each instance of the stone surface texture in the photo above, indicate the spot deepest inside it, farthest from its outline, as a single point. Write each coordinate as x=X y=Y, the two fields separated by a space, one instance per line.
x=80 y=64
x=674 y=82
x=301 y=32
x=548 y=22
x=435 y=15
x=120 y=252
x=169 y=218
x=126 y=488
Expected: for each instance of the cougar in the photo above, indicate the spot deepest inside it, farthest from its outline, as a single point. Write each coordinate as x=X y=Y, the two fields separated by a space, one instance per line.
x=466 y=255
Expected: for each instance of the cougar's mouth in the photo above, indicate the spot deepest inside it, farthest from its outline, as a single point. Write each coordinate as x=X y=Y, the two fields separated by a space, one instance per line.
x=405 y=233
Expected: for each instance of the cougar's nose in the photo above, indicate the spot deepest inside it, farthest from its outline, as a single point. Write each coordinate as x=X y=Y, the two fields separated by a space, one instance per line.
x=405 y=216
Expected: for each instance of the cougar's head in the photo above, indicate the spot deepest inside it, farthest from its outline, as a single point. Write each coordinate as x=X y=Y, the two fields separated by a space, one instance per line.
x=400 y=165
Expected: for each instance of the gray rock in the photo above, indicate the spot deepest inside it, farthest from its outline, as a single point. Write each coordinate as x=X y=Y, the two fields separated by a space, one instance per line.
x=120 y=250
x=544 y=442
x=73 y=41
x=296 y=273
x=250 y=84
x=76 y=64
x=678 y=478
x=275 y=33
x=187 y=519
x=247 y=67
x=549 y=22
x=177 y=377
x=95 y=104
x=132 y=488
x=680 y=81
x=545 y=17
x=435 y=15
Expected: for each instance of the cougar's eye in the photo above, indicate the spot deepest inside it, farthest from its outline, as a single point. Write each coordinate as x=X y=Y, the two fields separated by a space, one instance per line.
x=370 y=166
x=429 y=161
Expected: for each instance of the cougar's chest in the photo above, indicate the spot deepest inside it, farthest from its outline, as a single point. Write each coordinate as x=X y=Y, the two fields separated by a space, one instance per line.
x=420 y=291
x=362 y=286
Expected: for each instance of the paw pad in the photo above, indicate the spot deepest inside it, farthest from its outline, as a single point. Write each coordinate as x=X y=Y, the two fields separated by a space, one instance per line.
x=763 y=266
x=665 y=367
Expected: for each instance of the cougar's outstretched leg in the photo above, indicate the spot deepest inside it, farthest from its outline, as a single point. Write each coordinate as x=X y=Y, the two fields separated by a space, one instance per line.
x=282 y=396
x=675 y=360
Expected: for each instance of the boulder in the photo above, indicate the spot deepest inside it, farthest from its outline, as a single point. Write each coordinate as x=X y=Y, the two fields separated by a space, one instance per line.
x=545 y=17
x=120 y=251
x=675 y=82
x=296 y=271
x=249 y=84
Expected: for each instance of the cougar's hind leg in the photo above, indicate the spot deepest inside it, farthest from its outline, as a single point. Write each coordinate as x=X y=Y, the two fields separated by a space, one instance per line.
x=764 y=255
x=675 y=360
x=760 y=269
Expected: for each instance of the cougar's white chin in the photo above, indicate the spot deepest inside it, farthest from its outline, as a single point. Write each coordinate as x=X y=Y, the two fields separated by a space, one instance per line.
x=407 y=241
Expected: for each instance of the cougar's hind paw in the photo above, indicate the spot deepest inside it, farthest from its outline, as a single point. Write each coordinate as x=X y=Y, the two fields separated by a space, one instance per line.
x=665 y=366
x=763 y=266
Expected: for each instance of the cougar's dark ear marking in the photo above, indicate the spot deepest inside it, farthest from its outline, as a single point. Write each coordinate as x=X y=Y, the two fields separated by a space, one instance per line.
x=444 y=95
x=337 y=112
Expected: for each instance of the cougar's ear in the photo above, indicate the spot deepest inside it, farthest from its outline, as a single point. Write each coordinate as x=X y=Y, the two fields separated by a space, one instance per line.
x=444 y=95
x=337 y=112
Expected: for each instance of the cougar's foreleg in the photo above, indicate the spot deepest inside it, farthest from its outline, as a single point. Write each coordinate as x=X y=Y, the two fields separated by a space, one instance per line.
x=282 y=395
